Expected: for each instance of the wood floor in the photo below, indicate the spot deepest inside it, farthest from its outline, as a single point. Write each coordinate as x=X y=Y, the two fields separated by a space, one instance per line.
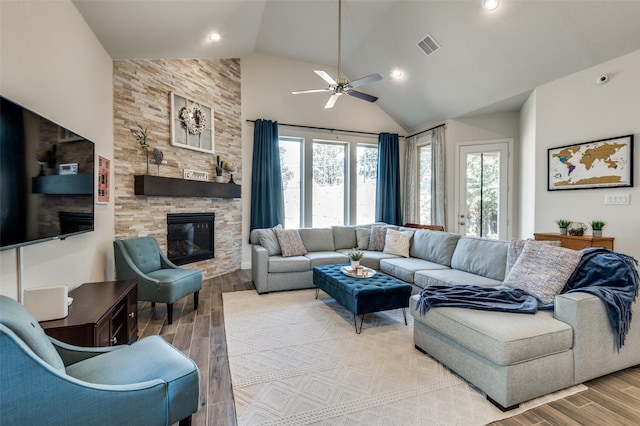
x=610 y=400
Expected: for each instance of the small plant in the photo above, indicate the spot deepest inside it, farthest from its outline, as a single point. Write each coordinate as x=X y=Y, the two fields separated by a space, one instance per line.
x=219 y=165
x=158 y=156
x=141 y=136
x=355 y=254
x=597 y=225
x=563 y=223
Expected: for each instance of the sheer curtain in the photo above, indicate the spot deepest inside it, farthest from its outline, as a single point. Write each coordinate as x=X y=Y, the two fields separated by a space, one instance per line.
x=410 y=205
x=267 y=198
x=388 y=203
x=437 y=177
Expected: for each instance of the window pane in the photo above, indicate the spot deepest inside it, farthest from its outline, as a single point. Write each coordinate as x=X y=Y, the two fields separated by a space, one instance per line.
x=483 y=187
x=290 y=162
x=328 y=184
x=424 y=184
x=367 y=172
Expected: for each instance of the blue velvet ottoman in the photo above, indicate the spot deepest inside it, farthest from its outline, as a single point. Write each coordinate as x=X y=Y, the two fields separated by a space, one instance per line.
x=362 y=295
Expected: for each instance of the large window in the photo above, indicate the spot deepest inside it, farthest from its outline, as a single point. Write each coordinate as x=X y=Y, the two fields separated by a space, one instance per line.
x=328 y=182
x=424 y=183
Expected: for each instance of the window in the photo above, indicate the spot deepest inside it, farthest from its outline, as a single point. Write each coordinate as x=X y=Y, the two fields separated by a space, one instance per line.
x=424 y=183
x=328 y=182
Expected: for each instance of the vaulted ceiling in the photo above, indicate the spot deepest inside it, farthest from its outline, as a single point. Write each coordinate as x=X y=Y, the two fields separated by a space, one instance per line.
x=488 y=61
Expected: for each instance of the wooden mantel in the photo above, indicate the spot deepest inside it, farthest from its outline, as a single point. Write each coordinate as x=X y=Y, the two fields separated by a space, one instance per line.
x=173 y=187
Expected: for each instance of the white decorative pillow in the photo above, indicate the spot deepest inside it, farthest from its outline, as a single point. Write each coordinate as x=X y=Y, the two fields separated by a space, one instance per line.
x=362 y=236
x=377 y=237
x=398 y=242
x=269 y=241
x=290 y=242
x=542 y=270
x=516 y=246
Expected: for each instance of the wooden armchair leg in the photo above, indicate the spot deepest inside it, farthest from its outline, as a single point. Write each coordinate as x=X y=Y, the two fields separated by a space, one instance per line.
x=185 y=422
x=170 y=313
x=195 y=300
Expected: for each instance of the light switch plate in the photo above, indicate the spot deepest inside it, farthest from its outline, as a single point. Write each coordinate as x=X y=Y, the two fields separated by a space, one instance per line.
x=616 y=199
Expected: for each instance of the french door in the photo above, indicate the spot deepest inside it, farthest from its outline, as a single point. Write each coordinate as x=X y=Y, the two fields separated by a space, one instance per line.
x=483 y=206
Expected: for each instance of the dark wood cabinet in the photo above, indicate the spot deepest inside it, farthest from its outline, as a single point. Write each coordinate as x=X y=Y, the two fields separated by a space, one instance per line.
x=102 y=314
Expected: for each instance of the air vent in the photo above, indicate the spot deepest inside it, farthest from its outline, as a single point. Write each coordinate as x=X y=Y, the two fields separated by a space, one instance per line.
x=428 y=45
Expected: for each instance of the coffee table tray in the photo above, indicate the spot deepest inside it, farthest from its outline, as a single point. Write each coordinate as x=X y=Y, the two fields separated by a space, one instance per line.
x=350 y=272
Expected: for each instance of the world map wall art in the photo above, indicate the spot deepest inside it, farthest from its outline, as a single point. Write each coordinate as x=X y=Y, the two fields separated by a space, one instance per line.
x=605 y=163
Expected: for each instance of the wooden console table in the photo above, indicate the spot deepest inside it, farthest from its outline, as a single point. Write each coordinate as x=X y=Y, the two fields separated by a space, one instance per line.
x=102 y=314
x=576 y=242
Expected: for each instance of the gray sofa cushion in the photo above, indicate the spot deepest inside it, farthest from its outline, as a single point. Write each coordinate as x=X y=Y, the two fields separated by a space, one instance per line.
x=317 y=239
x=289 y=264
x=326 y=258
x=344 y=237
x=372 y=259
x=434 y=246
x=451 y=277
x=362 y=236
x=405 y=268
x=267 y=238
x=503 y=338
x=491 y=262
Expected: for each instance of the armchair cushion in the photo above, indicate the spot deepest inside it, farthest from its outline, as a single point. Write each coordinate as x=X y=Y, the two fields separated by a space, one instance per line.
x=15 y=317
x=144 y=252
x=174 y=284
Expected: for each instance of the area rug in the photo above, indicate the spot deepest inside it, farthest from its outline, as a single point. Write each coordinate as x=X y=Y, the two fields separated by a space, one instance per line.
x=296 y=360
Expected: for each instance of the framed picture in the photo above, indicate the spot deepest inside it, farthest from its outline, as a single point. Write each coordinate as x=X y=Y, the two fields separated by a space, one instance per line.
x=605 y=163
x=191 y=124
x=104 y=187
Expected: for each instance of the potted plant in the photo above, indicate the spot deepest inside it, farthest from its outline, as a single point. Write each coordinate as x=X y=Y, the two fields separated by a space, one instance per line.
x=140 y=133
x=562 y=225
x=576 y=229
x=355 y=256
x=219 y=165
x=596 y=228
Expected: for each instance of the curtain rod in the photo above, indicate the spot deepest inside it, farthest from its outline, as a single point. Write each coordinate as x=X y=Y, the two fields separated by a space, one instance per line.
x=425 y=131
x=322 y=128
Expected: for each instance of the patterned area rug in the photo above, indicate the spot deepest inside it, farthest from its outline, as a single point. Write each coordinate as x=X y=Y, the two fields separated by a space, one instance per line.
x=296 y=360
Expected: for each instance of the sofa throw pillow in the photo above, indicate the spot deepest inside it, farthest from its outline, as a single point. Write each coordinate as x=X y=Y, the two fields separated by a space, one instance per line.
x=269 y=241
x=542 y=270
x=362 y=237
x=398 y=242
x=377 y=237
x=516 y=246
x=290 y=242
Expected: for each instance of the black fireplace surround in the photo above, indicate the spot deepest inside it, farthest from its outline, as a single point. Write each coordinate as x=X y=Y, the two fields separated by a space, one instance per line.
x=189 y=237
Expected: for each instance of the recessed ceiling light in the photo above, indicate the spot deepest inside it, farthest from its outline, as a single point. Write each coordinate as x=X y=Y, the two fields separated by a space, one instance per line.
x=490 y=4
x=214 y=37
x=396 y=73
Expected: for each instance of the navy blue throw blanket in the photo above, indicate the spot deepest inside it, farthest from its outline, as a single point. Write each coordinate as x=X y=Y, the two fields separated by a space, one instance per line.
x=500 y=299
x=613 y=278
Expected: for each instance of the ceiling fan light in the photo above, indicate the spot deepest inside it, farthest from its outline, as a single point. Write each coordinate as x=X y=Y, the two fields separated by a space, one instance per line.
x=396 y=73
x=490 y=4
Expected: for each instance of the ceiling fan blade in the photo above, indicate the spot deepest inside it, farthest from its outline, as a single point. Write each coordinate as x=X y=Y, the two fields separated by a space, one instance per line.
x=312 y=91
x=362 y=96
x=326 y=77
x=364 y=80
x=332 y=100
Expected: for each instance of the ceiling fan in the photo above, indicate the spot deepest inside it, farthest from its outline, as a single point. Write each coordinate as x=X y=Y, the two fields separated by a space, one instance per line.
x=340 y=86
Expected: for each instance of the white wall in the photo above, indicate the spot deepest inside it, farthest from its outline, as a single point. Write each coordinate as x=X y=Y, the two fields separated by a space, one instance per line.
x=267 y=83
x=488 y=127
x=575 y=109
x=53 y=64
x=527 y=168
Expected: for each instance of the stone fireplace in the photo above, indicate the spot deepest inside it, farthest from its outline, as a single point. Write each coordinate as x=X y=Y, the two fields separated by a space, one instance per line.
x=190 y=237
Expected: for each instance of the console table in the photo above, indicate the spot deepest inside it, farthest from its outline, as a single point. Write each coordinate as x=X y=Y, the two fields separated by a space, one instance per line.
x=102 y=314
x=576 y=242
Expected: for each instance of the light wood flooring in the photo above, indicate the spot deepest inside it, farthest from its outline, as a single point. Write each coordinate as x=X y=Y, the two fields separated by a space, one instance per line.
x=610 y=400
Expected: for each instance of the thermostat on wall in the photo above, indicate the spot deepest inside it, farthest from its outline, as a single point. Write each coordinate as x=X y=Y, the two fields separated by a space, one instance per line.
x=68 y=169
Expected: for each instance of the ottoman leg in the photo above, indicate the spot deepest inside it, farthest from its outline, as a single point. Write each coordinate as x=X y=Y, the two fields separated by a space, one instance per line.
x=404 y=314
x=317 y=291
x=355 y=323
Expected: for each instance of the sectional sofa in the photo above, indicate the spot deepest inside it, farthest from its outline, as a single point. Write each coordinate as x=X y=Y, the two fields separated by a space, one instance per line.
x=511 y=357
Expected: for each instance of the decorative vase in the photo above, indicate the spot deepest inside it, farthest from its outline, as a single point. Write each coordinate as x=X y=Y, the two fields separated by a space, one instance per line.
x=219 y=179
x=597 y=233
x=355 y=263
x=576 y=229
x=563 y=231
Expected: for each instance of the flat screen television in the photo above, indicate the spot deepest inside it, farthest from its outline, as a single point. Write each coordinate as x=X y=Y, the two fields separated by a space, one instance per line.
x=46 y=179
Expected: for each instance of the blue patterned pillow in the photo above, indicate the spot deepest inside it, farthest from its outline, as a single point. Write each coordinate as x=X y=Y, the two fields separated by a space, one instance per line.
x=542 y=270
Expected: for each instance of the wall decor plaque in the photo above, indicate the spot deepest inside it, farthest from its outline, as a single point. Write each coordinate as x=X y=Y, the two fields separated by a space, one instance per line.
x=191 y=124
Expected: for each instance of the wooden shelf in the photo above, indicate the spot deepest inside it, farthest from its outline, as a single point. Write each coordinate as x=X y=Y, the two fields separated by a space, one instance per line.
x=174 y=187
x=576 y=242
x=77 y=184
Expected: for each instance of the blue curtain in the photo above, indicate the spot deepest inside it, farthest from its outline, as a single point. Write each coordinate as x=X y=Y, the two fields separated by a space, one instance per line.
x=267 y=199
x=388 y=208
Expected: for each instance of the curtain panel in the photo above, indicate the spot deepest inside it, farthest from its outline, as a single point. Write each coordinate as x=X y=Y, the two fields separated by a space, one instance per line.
x=388 y=202
x=411 y=198
x=437 y=177
x=267 y=198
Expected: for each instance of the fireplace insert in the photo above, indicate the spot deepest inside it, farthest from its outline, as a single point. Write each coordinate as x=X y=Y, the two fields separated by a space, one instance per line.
x=190 y=237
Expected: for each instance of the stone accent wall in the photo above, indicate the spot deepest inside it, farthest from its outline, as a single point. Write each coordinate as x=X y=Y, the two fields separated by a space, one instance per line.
x=142 y=95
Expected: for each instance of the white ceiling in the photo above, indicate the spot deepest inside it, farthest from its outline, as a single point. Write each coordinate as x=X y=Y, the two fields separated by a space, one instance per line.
x=488 y=61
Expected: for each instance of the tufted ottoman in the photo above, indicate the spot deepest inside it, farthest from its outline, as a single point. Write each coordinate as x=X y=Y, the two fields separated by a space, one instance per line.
x=362 y=295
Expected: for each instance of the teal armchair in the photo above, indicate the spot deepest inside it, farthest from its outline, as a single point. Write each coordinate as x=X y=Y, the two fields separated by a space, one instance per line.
x=46 y=382
x=159 y=280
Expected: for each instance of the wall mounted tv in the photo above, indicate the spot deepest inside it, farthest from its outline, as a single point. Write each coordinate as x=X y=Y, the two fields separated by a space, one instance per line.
x=46 y=179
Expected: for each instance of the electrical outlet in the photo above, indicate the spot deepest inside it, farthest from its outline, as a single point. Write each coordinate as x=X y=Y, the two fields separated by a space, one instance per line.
x=616 y=199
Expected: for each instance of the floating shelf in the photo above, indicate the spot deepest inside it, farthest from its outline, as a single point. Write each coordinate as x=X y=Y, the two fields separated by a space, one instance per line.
x=173 y=187
x=76 y=184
